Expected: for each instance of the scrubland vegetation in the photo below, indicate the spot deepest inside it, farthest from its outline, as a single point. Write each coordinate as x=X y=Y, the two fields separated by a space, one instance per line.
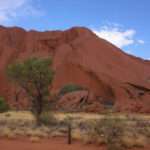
x=115 y=131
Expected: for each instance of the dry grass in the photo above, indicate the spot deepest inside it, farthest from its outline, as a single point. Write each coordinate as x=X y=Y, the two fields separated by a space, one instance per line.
x=17 y=115
x=22 y=123
x=26 y=115
x=131 y=141
x=89 y=116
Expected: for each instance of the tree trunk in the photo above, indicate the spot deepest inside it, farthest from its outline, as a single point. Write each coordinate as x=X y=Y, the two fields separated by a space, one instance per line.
x=69 y=134
x=38 y=109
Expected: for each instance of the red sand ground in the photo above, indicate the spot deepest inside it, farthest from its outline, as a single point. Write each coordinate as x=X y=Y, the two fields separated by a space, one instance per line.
x=51 y=144
x=80 y=57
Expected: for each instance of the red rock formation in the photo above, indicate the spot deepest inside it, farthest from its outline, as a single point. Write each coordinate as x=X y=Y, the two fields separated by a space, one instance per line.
x=80 y=57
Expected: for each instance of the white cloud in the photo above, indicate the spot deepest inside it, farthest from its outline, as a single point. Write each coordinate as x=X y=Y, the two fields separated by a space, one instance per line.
x=141 y=41
x=11 y=4
x=10 y=9
x=117 y=36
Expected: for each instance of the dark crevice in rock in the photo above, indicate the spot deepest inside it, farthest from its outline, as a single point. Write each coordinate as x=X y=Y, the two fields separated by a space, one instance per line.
x=136 y=91
x=139 y=87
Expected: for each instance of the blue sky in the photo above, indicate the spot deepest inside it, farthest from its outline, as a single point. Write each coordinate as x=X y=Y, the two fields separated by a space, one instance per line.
x=125 y=23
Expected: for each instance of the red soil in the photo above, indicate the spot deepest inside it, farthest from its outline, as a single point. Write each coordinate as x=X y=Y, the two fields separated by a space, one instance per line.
x=80 y=57
x=51 y=144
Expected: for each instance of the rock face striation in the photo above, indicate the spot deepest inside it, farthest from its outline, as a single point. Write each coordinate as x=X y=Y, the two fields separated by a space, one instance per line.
x=111 y=77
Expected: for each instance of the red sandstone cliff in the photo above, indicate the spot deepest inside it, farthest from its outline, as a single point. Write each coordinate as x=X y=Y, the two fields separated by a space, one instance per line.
x=80 y=57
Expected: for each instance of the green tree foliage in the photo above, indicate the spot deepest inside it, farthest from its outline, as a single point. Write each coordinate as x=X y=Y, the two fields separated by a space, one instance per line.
x=70 y=88
x=34 y=76
x=3 y=105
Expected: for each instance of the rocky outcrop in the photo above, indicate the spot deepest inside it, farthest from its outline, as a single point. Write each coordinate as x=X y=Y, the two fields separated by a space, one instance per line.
x=80 y=57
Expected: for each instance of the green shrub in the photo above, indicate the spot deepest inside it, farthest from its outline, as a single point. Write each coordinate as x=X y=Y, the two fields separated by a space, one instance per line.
x=47 y=118
x=3 y=105
x=70 y=88
x=111 y=130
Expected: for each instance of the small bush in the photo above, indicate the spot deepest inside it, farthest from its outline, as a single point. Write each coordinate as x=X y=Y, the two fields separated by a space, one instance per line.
x=7 y=132
x=47 y=118
x=109 y=131
x=138 y=141
x=3 y=105
x=112 y=129
x=70 y=88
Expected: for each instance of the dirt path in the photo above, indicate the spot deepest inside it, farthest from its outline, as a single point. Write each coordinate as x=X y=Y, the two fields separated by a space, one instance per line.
x=51 y=144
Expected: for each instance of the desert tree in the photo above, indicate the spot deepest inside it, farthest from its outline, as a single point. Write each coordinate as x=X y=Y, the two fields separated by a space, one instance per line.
x=34 y=76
